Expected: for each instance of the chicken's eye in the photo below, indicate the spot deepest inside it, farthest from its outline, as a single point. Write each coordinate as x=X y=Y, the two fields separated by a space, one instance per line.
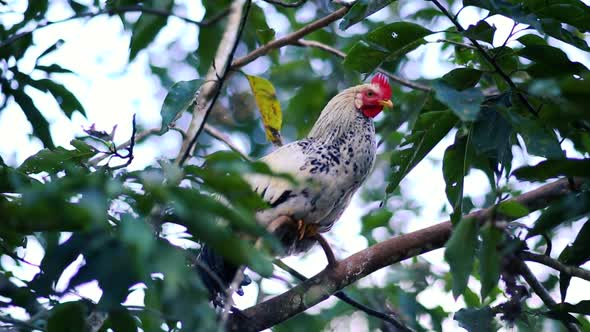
x=370 y=94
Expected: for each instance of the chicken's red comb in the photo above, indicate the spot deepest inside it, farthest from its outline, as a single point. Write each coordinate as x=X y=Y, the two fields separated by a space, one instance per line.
x=382 y=81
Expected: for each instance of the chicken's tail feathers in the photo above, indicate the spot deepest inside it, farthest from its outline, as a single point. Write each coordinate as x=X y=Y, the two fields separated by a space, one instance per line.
x=217 y=274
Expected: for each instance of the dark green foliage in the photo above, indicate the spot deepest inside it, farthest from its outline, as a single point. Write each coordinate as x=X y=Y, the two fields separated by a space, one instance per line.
x=460 y=253
x=476 y=320
x=180 y=96
x=147 y=26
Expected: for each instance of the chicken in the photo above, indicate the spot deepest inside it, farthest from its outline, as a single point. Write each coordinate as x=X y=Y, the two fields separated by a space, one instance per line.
x=329 y=165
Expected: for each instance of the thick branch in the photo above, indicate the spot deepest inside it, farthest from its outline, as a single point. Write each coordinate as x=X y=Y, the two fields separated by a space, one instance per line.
x=365 y=262
x=555 y=264
x=215 y=77
x=112 y=11
x=290 y=38
x=338 y=53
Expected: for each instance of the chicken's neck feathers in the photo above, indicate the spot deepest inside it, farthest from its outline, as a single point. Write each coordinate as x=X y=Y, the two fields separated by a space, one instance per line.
x=338 y=116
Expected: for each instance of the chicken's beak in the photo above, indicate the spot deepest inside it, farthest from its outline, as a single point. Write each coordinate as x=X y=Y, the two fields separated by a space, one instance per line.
x=386 y=103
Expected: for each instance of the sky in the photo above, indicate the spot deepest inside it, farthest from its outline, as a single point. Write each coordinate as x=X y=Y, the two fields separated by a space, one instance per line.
x=112 y=90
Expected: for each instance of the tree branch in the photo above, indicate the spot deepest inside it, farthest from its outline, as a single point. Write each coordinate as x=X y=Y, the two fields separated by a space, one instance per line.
x=555 y=264
x=543 y=294
x=211 y=89
x=329 y=281
x=290 y=38
x=112 y=11
x=215 y=133
x=338 y=53
x=389 y=318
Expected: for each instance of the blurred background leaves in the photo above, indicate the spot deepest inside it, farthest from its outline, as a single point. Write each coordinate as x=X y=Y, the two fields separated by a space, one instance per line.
x=112 y=226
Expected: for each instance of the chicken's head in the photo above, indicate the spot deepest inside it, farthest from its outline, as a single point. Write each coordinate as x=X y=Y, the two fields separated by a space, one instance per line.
x=371 y=98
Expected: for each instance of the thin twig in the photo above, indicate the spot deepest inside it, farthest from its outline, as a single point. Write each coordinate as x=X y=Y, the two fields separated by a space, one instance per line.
x=138 y=137
x=229 y=292
x=20 y=323
x=214 y=132
x=489 y=59
x=543 y=294
x=286 y=4
x=347 y=299
x=130 y=148
x=112 y=11
x=510 y=34
x=456 y=43
x=338 y=53
x=557 y=265
x=290 y=38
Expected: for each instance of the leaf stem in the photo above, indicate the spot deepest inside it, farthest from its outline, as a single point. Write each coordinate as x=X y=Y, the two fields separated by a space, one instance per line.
x=555 y=264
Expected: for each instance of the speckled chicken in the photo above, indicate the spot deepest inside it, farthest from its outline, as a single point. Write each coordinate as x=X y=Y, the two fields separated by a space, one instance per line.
x=329 y=165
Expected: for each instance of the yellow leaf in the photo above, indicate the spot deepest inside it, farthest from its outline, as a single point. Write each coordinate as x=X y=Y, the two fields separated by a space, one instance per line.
x=269 y=107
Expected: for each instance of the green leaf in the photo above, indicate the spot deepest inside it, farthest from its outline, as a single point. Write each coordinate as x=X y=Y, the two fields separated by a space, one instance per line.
x=17 y=48
x=363 y=58
x=65 y=99
x=269 y=107
x=54 y=68
x=455 y=167
x=11 y=179
x=121 y=321
x=582 y=307
x=265 y=35
x=481 y=31
x=180 y=96
x=465 y=104
x=388 y=42
x=40 y=125
x=53 y=161
x=576 y=253
x=374 y=219
x=572 y=12
x=67 y=317
x=539 y=140
x=476 y=320
x=489 y=259
x=51 y=48
x=219 y=236
x=362 y=9
x=568 y=208
x=521 y=14
x=429 y=129
x=147 y=26
x=462 y=78
x=531 y=40
x=550 y=62
x=547 y=169
x=35 y=9
x=460 y=253
x=305 y=106
x=491 y=137
x=512 y=209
